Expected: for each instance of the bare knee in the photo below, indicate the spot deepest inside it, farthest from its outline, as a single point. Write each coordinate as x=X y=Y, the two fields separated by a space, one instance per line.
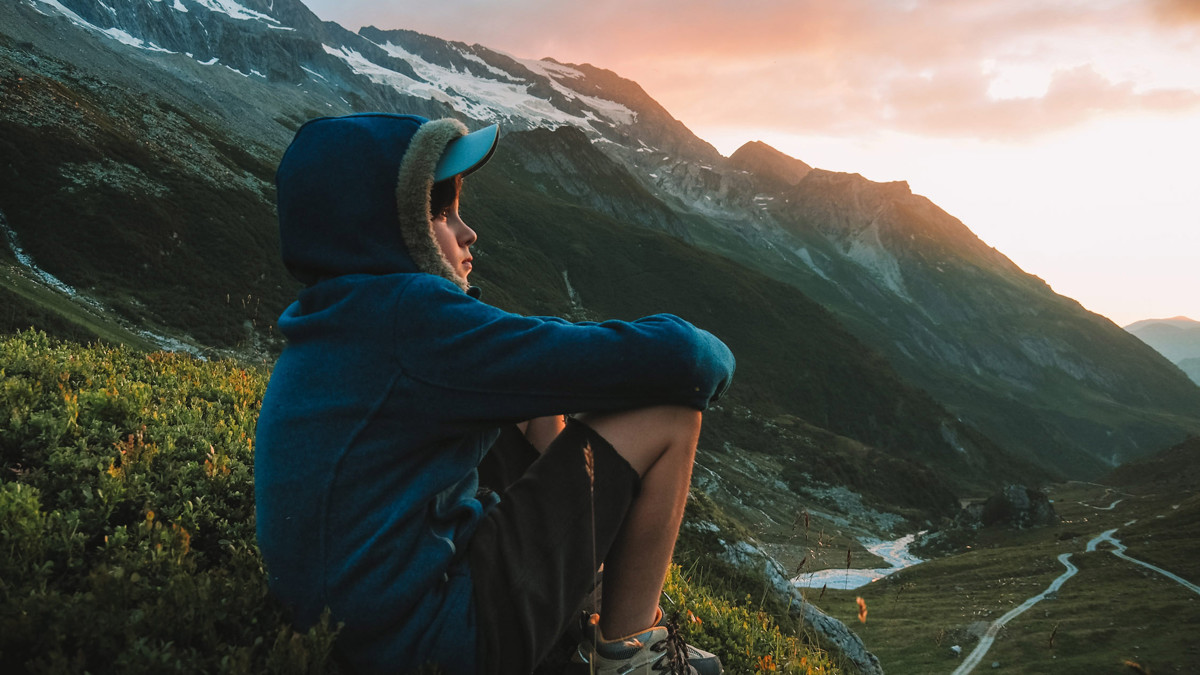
x=644 y=435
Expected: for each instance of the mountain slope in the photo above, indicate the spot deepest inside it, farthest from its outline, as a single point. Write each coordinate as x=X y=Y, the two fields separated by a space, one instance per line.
x=1059 y=386
x=1174 y=470
x=172 y=225
x=764 y=161
x=1033 y=369
x=1178 y=339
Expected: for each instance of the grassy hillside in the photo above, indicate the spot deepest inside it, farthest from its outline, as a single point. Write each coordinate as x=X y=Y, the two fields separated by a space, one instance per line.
x=141 y=205
x=1176 y=469
x=127 y=527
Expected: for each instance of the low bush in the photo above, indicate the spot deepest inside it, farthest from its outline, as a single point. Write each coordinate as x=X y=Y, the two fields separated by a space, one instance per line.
x=127 y=517
x=127 y=532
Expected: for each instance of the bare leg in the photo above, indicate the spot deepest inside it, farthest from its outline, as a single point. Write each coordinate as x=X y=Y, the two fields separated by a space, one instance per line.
x=541 y=431
x=660 y=444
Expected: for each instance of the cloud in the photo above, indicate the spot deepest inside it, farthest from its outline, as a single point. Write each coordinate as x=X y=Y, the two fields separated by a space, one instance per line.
x=1174 y=12
x=958 y=104
x=853 y=66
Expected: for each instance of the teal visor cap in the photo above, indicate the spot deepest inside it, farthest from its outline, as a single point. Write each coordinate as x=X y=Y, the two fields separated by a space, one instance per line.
x=467 y=153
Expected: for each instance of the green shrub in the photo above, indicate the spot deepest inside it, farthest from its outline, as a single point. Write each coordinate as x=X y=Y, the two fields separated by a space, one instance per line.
x=127 y=539
x=127 y=517
x=748 y=640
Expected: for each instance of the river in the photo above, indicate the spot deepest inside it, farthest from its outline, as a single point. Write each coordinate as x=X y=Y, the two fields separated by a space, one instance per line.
x=894 y=552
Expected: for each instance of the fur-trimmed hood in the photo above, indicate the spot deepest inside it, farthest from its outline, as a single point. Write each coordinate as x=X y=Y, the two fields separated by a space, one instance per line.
x=353 y=196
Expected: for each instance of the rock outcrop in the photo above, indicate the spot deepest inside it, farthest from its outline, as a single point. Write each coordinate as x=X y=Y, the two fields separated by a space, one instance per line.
x=832 y=631
x=1018 y=506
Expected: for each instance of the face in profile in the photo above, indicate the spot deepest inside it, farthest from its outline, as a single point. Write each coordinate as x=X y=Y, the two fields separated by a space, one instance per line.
x=453 y=236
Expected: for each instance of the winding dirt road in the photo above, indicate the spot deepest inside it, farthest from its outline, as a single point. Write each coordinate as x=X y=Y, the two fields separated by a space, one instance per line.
x=1119 y=551
x=985 y=643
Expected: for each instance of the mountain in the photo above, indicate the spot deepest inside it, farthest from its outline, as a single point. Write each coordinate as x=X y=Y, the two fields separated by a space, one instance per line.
x=139 y=140
x=1177 y=338
x=766 y=162
x=155 y=213
x=962 y=321
x=1174 y=470
x=1191 y=368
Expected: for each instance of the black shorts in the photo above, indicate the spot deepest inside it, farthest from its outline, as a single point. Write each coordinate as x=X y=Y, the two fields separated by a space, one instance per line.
x=534 y=557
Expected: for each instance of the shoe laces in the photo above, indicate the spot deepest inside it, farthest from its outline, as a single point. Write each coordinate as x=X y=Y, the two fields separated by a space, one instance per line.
x=675 y=661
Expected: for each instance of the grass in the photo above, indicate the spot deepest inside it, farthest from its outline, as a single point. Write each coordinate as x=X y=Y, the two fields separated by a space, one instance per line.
x=31 y=303
x=745 y=634
x=1110 y=612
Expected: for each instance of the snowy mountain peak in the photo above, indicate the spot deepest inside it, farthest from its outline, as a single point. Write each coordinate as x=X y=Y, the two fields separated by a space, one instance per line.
x=483 y=91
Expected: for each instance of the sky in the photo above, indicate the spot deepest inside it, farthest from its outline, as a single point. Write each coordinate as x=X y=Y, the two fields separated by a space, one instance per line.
x=1063 y=132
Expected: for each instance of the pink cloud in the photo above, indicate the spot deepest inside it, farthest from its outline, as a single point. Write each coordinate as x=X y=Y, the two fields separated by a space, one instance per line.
x=1176 y=11
x=957 y=104
x=835 y=66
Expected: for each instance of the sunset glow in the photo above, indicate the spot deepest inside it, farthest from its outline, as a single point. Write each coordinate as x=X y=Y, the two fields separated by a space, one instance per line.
x=1063 y=133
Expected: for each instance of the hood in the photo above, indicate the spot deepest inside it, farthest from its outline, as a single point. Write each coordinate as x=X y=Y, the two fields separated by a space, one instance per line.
x=353 y=196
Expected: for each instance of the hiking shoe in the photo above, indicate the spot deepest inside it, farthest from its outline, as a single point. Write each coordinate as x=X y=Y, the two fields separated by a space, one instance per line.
x=645 y=653
x=704 y=663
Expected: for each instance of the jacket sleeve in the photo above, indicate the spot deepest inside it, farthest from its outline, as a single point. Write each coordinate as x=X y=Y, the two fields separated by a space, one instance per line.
x=481 y=363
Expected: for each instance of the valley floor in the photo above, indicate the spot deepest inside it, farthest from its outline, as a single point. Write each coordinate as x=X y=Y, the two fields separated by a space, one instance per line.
x=1112 y=616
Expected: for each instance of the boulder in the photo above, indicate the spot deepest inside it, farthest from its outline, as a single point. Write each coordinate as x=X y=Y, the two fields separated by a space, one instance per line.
x=1020 y=507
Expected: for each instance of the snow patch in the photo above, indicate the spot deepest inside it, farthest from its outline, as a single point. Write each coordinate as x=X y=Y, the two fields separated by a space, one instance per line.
x=868 y=251
x=487 y=66
x=572 y=294
x=806 y=258
x=113 y=33
x=480 y=98
x=552 y=71
x=10 y=237
x=127 y=39
x=314 y=74
x=172 y=344
x=404 y=84
x=486 y=99
x=234 y=10
x=950 y=435
x=179 y=7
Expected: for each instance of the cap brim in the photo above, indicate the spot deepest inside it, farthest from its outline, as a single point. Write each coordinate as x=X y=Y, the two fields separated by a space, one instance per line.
x=467 y=153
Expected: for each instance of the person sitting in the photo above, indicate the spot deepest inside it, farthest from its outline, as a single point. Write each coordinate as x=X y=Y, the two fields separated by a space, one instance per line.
x=398 y=382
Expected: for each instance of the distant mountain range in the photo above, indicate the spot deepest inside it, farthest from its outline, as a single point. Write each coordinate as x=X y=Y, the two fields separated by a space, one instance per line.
x=1177 y=338
x=138 y=141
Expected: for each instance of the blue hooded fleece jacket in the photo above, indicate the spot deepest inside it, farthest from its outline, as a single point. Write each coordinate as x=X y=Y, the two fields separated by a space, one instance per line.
x=393 y=386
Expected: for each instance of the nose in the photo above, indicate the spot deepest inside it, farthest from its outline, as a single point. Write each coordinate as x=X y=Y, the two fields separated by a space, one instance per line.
x=463 y=233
